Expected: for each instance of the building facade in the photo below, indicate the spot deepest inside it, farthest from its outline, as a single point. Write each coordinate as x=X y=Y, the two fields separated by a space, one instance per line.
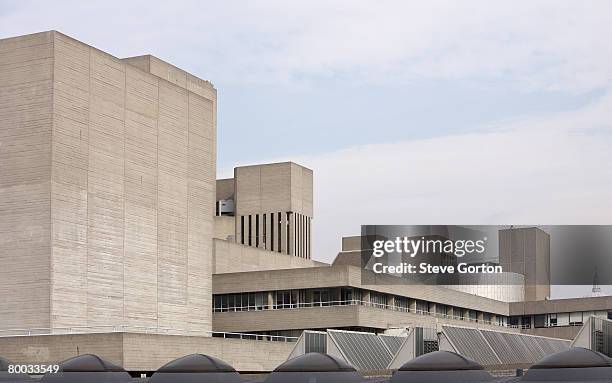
x=107 y=188
x=116 y=237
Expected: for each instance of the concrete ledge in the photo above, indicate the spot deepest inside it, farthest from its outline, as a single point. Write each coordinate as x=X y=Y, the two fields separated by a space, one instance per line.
x=332 y=317
x=145 y=352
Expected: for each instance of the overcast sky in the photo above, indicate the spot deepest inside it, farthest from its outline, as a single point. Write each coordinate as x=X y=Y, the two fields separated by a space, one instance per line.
x=430 y=112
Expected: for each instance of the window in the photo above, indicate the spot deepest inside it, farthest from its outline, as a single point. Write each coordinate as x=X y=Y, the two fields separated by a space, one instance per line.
x=240 y=302
x=563 y=319
x=296 y=231
x=401 y=304
x=216 y=303
x=513 y=321
x=256 y=230
x=242 y=229
x=278 y=217
x=250 y=231
x=440 y=309
x=286 y=299
x=346 y=295
x=526 y=322
x=431 y=307
x=271 y=231
x=378 y=299
x=264 y=238
x=473 y=315
x=422 y=307
x=575 y=319
x=288 y=230
x=320 y=297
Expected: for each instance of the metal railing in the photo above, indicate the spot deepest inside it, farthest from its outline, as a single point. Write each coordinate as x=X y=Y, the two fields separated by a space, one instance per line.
x=354 y=302
x=546 y=325
x=141 y=330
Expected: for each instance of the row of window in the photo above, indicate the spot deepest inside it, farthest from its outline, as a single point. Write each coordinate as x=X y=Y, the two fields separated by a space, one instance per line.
x=267 y=231
x=271 y=225
x=576 y=318
x=283 y=299
x=288 y=299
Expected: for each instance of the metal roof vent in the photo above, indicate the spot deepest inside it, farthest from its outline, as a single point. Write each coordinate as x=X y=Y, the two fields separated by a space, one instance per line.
x=574 y=365
x=85 y=368
x=196 y=368
x=314 y=367
x=441 y=367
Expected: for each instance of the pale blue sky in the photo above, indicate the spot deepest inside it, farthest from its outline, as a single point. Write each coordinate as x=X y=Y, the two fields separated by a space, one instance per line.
x=431 y=112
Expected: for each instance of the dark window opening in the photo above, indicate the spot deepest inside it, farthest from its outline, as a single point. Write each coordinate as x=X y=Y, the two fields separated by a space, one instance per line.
x=288 y=230
x=250 y=231
x=256 y=230
x=242 y=229
x=264 y=238
x=278 y=217
x=272 y=231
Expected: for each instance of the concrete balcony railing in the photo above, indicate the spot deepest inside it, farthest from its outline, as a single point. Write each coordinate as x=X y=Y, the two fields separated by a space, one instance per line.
x=140 y=330
x=353 y=302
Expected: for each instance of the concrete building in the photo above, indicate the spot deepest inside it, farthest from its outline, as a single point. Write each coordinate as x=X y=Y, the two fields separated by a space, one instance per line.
x=116 y=238
x=527 y=251
x=107 y=188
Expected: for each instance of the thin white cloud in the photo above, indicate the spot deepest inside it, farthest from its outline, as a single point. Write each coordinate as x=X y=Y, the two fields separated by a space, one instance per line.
x=540 y=44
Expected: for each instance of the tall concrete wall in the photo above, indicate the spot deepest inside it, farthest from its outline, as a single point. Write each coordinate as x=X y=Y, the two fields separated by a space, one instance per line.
x=126 y=189
x=26 y=123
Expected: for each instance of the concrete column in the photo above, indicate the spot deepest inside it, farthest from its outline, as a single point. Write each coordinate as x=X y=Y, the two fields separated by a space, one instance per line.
x=365 y=297
x=450 y=311
x=432 y=308
x=270 y=299
x=412 y=305
x=283 y=233
x=261 y=237
x=391 y=300
x=480 y=316
x=268 y=231
x=291 y=226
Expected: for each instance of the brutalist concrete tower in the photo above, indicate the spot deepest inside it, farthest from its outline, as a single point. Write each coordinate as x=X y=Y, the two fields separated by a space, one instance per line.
x=107 y=188
x=274 y=207
x=527 y=251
